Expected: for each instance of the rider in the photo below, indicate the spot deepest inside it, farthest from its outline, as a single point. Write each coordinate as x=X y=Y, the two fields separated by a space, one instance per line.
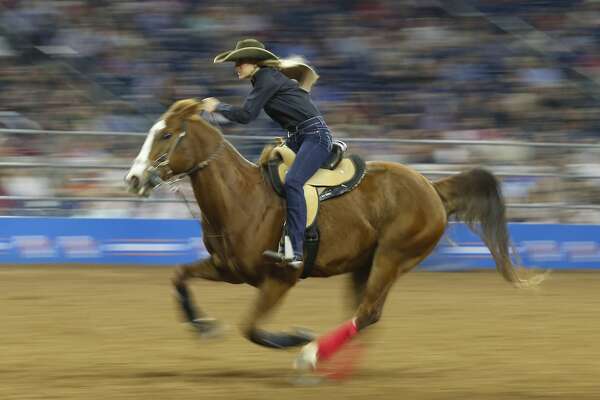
x=288 y=103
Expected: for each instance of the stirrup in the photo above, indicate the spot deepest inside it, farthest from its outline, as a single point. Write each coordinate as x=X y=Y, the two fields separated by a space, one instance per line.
x=297 y=262
x=285 y=255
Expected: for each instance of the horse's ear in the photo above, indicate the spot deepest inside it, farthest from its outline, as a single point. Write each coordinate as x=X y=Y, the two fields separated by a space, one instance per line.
x=189 y=107
x=183 y=109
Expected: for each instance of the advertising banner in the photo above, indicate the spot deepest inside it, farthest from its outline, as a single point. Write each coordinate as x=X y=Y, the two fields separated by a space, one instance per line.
x=99 y=241
x=171 y=242
x=554 y=246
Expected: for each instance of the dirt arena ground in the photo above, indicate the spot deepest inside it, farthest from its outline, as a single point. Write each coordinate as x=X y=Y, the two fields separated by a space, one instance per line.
x=113 y=333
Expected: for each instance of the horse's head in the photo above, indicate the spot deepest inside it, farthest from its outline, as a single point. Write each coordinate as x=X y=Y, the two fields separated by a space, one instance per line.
x=164 y=153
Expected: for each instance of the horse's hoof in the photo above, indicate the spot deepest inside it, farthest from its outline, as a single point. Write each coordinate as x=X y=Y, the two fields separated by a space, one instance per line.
x=305 y=366
x=207 y=327
x=307 y=359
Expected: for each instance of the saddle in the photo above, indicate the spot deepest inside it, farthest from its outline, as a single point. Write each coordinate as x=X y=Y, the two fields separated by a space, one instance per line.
x=337 y=176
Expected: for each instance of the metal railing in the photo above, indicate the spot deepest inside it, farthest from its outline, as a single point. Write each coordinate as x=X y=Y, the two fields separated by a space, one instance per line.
x=350 y=140
x=82 y=165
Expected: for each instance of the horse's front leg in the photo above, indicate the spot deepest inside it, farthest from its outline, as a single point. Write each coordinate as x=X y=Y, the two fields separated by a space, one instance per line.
x=205 y=269
x=271 y=292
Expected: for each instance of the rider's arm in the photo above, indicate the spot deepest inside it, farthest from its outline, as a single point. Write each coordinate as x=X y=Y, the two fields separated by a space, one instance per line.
x=265 y=86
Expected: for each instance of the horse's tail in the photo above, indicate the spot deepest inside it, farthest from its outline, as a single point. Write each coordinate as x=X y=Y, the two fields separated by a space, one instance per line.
x=475 y=198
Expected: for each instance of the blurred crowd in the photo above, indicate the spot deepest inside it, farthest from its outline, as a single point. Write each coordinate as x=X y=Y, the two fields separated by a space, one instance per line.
x=420 y=69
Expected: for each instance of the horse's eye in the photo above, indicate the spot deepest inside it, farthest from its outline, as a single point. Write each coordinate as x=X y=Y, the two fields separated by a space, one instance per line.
x=166 y=135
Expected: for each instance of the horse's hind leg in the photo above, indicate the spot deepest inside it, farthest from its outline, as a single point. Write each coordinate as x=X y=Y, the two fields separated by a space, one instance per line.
x=386 y=269
x=356 y=287
x=387 y=266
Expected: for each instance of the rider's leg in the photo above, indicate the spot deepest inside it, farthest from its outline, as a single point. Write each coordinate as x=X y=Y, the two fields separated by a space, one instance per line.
x=312 y=154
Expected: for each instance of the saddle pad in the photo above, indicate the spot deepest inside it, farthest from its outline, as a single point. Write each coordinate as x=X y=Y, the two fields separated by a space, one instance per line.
x=312 y=204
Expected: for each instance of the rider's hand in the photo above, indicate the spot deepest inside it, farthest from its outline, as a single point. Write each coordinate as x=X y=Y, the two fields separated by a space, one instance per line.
x=210 y=104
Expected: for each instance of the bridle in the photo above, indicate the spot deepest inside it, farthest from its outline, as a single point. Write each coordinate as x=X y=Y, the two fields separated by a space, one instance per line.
x=162 y=163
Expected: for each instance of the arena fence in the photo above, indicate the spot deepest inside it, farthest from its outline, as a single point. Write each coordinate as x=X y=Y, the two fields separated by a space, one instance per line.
x=171 y=240
x=50 y=163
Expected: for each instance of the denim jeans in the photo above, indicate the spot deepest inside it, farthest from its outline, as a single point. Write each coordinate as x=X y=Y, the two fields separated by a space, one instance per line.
x=312 y=145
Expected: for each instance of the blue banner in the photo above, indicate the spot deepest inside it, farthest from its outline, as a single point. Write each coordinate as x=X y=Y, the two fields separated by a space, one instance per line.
x=554 y=246
x=169 y=242
x=99 y=241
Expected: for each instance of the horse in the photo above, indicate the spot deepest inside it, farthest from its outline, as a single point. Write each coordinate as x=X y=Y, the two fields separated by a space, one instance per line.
x=375 y=233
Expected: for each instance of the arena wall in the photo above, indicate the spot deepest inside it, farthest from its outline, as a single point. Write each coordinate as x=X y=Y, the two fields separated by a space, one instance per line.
x=165 y=242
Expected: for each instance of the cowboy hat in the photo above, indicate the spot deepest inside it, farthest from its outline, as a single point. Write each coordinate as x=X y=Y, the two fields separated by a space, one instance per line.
x=246 y=49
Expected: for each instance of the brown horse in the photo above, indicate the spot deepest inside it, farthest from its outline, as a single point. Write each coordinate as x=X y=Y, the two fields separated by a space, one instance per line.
x=377 y=232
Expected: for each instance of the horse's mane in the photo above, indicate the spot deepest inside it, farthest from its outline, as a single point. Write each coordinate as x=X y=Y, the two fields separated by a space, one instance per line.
x=188 y=109
x=182 y=109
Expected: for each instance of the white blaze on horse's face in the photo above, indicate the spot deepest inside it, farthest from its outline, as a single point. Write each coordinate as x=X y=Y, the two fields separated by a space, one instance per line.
x=137 y=177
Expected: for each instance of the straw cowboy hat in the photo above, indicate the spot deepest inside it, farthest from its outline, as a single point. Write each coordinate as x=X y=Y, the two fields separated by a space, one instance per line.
x=246 y=49
x=293 y=67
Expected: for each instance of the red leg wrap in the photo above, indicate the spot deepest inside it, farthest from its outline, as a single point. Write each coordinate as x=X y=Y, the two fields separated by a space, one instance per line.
x=333 y=341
